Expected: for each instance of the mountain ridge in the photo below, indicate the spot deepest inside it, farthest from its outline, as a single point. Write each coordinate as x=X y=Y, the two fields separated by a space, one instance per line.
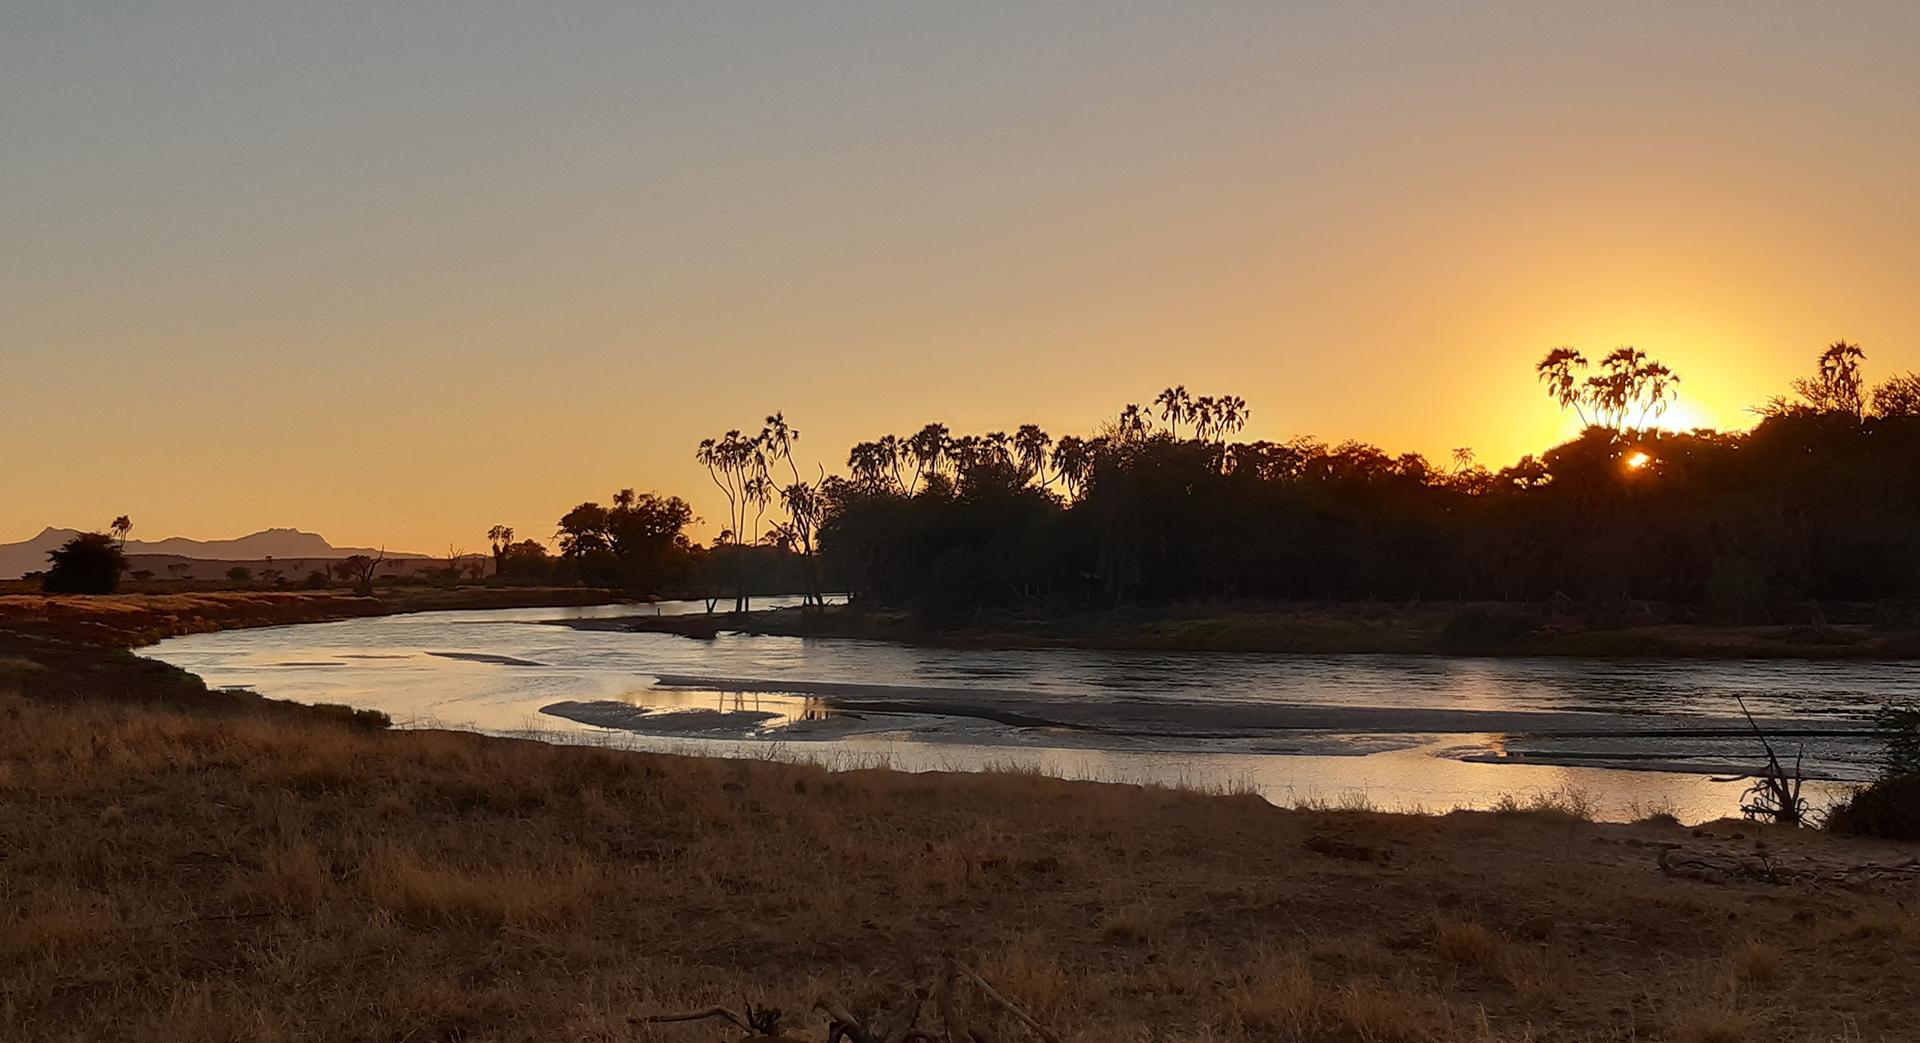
x=30 y=555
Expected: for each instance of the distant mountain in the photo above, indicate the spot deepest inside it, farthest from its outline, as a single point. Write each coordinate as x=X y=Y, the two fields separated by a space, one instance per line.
x=31 y=555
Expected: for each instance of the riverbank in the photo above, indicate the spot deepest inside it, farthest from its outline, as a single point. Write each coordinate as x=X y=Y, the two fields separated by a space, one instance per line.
x=192 y=876
x=1366 y=628
x=190 y=864
x=131 y=620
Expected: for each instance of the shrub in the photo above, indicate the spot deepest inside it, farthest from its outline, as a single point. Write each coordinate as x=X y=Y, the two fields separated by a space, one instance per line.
x=240 y=574
x=1899 y=727
x=359 y=718
x=90 y=563
x=1888 y=808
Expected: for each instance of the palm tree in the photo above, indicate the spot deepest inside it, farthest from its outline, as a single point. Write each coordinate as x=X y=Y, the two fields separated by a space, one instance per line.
x=738 y=467
x=1656 y=387
x=927 y=448
x=1071 y=460
x=1618 y=387
x=121 y=527
x=1205 y=413
x=892 y=451
x=1134 y=424
x=1840 y=378
x=1231 y=416
x=1175 y=406
x=499 y=538
x=780 y=440
x=869 y=464
x=997 y=448
x=1030 y=449
x=1560 y=372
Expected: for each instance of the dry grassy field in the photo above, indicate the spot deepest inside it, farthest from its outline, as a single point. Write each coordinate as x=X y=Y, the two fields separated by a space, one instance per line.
x=167 y=875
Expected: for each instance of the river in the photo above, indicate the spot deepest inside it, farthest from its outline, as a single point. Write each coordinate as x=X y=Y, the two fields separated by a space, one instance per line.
x=1395 y=732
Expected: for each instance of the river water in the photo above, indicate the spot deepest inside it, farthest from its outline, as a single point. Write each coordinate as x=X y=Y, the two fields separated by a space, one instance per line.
x=1398 y=732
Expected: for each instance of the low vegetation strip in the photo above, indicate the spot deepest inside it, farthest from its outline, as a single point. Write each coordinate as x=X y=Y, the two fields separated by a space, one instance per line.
x=1632 y=630
x=251 y=876
x=131 y=620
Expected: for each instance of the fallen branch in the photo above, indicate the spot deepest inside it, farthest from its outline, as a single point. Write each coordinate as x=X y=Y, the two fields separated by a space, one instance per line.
x=698 y=1015
x=1011 y=1007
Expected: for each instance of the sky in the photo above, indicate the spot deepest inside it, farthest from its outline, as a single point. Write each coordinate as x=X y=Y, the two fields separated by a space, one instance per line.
x=396 y=273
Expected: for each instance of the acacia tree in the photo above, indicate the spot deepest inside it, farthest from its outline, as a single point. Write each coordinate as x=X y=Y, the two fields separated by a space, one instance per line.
x=638 y=542
x=358 y=569
x=1898 y=395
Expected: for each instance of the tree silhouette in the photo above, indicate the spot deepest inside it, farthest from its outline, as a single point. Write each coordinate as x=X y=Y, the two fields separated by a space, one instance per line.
x=90 y=563
x=121 y=527
x=1072 y=461
x=358 y=569
x=927 y=448
x=637 y=544
x=1630 y=392
x=499 y=538
x=1175 y=406
x=1800 y=507
x=1561 y=371
x=1898 y=396
x=1030 y=446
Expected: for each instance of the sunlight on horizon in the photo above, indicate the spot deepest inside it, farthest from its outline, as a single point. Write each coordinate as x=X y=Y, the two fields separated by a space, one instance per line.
x=353 y=273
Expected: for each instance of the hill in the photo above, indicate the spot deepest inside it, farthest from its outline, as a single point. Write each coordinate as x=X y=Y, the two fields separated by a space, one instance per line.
x=31 y=555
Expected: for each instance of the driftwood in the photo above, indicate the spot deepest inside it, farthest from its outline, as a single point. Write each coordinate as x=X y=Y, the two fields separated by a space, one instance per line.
x=901 y=1024
x=1775 y=796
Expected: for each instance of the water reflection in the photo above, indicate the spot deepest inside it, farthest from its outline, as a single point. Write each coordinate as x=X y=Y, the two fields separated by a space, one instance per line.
x=770 y=709
x=1407 y=730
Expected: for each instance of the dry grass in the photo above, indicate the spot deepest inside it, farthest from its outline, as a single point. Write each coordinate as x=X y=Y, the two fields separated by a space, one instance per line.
x=244 y=877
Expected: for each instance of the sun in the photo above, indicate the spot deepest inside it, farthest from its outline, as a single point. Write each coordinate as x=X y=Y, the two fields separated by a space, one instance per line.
x=1684 y=416
x=1637 y=460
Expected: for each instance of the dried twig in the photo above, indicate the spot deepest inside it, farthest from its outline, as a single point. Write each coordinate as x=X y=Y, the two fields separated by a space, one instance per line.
x=1011 y=1007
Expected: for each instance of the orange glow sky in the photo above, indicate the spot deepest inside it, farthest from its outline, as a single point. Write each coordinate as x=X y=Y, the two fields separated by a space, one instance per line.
x=395 y=273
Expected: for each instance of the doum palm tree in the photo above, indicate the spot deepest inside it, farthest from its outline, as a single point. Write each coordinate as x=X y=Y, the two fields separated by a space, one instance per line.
x=1175 y=406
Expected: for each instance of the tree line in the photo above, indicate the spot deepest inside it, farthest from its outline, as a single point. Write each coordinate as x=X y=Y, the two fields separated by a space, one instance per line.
x=1163 y=501
x=1819 y=500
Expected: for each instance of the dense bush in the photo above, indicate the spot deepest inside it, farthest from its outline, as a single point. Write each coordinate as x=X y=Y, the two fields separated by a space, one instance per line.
x=1888 y=808
x=90 y=563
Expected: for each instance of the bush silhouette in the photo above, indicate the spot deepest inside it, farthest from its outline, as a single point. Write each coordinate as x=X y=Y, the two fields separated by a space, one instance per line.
x=90 y=563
